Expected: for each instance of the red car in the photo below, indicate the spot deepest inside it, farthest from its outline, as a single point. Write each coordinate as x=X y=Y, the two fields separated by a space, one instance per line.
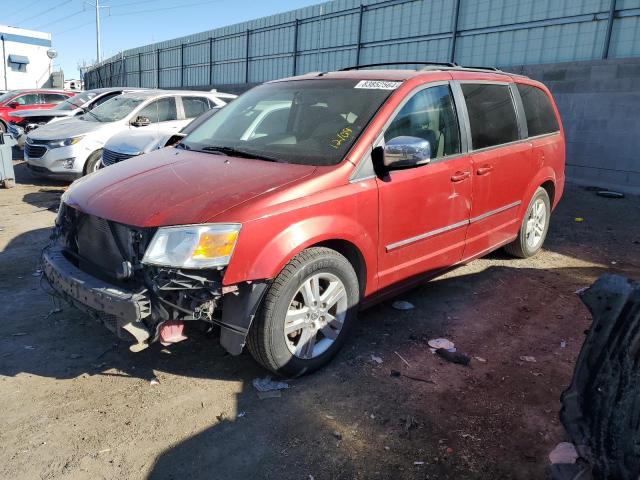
x=15 y=100
x=307 y=199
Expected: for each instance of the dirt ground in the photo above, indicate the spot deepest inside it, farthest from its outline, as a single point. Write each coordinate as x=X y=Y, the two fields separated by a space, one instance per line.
x=76 y=404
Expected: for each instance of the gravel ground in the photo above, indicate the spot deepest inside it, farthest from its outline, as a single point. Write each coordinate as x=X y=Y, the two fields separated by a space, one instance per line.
x=77 y=404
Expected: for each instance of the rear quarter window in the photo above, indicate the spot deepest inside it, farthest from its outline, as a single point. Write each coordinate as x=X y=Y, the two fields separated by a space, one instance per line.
x=540 y=116
x=492 y=115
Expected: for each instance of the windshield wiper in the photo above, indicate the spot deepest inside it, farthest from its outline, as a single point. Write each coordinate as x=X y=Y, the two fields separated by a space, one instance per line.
x=238 y=153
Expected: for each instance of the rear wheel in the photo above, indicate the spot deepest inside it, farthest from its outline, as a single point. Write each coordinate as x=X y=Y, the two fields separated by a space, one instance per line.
x=535 y=225
x=93 y=162
x=307 y=313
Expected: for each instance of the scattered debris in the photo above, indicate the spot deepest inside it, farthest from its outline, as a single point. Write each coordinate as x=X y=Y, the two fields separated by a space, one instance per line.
x=337 y=434
x=610 y=194
x=105 y=450
x=396 y=373
x=269 y=394
x=437 y=343
x=75 y=356
x=241 y=414
x=409 y=423
x=401 y=358
x=418 y=463
x=37 y=273
x=19 y=334
x=266 y=384
x=222 y=416
x=564 y=452
x=402 y=305
x=528 y=358
x=563 y=344
x=52 y=312
x=579 y=219
x=375 y=359
x=580 y=291
x=453 y=357
x=29 y=347
x=154 y=381
x=480 y=359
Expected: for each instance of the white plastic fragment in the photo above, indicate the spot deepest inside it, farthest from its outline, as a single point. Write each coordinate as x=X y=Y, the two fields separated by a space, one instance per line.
x=528 y=358
x=378 y=360
x=402 y=305
x=266 y=384
x=564 y=452
x=437 y=343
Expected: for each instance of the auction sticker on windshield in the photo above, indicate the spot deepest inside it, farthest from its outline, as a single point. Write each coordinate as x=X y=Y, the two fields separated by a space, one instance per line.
x=377 y=85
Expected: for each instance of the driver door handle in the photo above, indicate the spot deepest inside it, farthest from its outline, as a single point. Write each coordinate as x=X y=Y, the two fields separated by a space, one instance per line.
x=460 y=176
x=483 y=170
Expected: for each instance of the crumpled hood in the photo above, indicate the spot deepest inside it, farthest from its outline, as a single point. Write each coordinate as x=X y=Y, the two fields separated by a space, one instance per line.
x=43 y=113
x=69 y=127
x=177 y=187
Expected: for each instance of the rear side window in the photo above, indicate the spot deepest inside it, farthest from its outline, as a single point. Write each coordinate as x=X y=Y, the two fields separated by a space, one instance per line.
x=541 y=118
x=195 y=106
x=492 y=116
x=54 y=98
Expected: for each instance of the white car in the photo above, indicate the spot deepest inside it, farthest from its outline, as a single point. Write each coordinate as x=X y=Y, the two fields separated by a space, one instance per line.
x=72 y=147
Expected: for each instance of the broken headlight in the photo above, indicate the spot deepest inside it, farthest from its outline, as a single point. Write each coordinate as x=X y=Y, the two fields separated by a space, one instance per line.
x=193 y=246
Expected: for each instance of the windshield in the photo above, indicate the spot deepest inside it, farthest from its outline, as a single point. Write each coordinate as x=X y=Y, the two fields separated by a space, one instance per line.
x=311 y=122
x=6 y=96
x=75 y=102
x=113 y=110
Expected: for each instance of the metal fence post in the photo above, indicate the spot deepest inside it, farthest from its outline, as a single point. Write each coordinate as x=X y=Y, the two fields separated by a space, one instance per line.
x=359 y=44
x=182 y=64
x=140 y=69
x=454 y=31
x=157 y=68
x=295 y=46
x=607 y=36
x=211 y=61
x=246 y=71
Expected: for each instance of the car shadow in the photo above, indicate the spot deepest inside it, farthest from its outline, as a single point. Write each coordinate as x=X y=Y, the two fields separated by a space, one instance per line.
x=25 y=177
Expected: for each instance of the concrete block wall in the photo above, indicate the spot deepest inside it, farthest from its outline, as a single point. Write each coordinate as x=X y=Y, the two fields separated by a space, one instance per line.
x=599 y=102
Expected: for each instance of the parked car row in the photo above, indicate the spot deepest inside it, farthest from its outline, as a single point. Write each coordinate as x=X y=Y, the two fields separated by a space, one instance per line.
x=67 y=142
x=280 y=216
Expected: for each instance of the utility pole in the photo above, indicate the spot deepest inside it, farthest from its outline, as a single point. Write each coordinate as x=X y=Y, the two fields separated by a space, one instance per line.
x=97 y=6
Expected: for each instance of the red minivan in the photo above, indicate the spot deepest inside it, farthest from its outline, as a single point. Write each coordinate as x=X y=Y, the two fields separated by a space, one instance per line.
x=307 y=199
x=16 y=100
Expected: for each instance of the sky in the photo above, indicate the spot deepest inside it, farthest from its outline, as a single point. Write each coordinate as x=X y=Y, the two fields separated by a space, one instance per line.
x=129 y=23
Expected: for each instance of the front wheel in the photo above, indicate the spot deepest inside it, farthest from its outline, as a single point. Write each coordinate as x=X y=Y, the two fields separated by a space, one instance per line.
x=307 y=313
x=534 y=227
x=93 y=162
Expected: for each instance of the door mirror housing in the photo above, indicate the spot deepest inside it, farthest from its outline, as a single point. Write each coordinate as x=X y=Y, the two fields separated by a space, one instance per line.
x=405 y=151
x=141 y=121
x=13 y=105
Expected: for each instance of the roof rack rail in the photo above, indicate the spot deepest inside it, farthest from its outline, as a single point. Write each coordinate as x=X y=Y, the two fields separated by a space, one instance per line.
x=387 y=64
x=461 y=67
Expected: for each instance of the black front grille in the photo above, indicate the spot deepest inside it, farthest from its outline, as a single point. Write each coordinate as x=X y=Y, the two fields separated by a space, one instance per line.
x=99 y=253
x=35 y=151
x=109 y=157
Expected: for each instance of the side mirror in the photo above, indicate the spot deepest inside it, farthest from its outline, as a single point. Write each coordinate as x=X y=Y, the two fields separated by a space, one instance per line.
x=13 y=105
x=404 y=151
x=141 y=121
x=174 y=139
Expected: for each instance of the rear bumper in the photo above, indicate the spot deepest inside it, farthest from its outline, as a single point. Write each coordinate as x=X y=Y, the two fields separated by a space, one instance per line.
x=118 y=309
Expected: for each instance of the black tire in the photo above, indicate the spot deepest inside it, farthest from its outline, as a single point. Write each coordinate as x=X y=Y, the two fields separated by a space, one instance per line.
x=519 y=247
x=93 y=162
x=266 y=340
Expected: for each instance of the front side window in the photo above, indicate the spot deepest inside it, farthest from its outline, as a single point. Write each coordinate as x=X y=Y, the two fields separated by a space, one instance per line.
x=430 y=115
x=74 y=102
x=195 y=106
x=310 y=122
x=540 y=116
x=27 y=99
x=162 y=110
x=492 y=116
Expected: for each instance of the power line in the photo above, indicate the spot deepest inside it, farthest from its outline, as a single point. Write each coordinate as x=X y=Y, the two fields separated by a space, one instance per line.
x=73 y=28
x=46 y=11
x=25 y=8
x=66 y=17
x=160 y=9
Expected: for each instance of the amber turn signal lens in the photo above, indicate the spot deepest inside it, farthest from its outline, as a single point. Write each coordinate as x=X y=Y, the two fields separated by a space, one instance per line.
x=213 y=244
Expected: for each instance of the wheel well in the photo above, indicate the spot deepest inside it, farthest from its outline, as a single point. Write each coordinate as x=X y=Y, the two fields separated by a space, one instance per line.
x=351 y=253
x=86 y=162
x=551 y=190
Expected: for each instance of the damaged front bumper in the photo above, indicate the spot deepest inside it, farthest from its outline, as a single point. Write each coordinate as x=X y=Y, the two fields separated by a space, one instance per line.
x=139 y=314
